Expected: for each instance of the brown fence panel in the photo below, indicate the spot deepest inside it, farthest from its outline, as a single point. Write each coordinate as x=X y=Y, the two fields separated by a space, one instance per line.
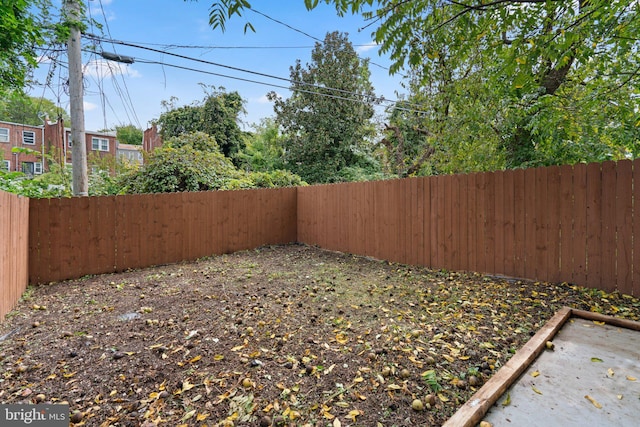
x=530 y=223
x=624 y=225
x=594 y=225
x=490 y=223
x=472 y=216
x=636 y=229
x=566 y=216
x=608 y=240
x=579 y=224
x=519 y=214
x=553 y=197
x=540 y=208
x=14 y=250
x=508 y=206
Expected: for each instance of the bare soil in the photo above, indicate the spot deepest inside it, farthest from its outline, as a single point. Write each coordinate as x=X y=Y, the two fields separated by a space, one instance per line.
x=284 y=335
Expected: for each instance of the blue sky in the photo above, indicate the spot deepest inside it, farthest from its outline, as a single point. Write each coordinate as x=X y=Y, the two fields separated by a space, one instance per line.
x=118 y=94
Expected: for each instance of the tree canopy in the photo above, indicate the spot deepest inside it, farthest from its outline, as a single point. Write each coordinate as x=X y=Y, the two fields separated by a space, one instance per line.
x=17 y=107
x=129 y=134
x=514 y=82
x=217 y=115
x=326 y=121
x=22 y=30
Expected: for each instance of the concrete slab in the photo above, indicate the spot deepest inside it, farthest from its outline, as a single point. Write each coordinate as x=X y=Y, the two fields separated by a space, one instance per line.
x=592 y=377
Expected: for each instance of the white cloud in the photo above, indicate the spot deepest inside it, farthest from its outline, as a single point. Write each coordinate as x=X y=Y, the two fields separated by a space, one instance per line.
x=89 y=106
x=264 y=100
x=367 y=47
x=101 y=68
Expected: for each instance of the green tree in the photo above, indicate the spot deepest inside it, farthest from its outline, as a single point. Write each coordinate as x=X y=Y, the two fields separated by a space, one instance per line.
x=541 y=72
x=326 y=121
x=17 y=107
x=264 y=148
x=22 y=30
x=180 y=165
x=217 y=115
x=129 y=134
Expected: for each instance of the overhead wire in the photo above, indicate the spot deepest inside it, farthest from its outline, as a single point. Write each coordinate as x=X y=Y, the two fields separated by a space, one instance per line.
x=378 y=100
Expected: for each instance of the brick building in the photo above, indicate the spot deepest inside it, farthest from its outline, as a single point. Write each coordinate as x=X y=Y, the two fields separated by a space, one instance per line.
x=49 y=139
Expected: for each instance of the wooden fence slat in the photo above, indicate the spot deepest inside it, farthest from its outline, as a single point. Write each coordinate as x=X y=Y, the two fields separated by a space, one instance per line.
x=553 y=224
x=508 y=218
x=481 y=216
x=540 y=209
x=426 y=221
x=594 y=225
x=636 y=229
x=608 y=239
x=579 y=224
x=498 y=223
x=519 y=210
x=472 y=216
x=463 y=210
x=624 y=226
x=456 y=220
x=447 y=223
x=566 y=215
x=530 y=223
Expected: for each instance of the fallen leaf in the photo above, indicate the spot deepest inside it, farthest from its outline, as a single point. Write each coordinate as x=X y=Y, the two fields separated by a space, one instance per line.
x=610 y=373
x=535 y=389
x=337 y=423
x=630 y=378
x=593 y=401
x=596 y=359
x=535 y=373
x=507 y=400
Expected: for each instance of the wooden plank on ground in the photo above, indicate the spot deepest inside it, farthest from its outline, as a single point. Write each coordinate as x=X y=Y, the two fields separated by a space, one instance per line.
x=471 y=413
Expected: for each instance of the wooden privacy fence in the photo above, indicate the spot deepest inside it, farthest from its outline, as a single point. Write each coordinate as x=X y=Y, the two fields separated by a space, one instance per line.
x=14 y=249
x=73 y=237
x=579 y=224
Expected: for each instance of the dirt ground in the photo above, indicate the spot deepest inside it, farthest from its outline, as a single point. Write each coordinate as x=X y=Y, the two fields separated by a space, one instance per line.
x=285 y=335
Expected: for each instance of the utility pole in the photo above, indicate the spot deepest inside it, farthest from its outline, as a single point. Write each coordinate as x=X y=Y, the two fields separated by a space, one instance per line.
x=73 y=15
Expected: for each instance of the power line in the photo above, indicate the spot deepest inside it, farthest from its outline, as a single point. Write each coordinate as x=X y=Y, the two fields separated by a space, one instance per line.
x=379 y=100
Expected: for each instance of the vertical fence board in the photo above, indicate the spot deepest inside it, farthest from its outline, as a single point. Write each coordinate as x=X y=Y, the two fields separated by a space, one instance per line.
x=481 y=218
x=636 y=230
x=440 y=222
x=553 y=224
x=519 y=209
x=566 y=215
x=530 y=223
x=456 y=220
x=463 y=210
x=472 y=216
x=499 y=223
x=447 y=226
x=580 y=224
x=426 y=221
x=594 y=225
x=509 y=229
x=540 y=209
x=624 y=226
x=608 y=239
x=106 y=237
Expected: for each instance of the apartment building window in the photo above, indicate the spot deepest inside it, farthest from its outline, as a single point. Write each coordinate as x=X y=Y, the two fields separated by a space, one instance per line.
x=4 y=135
x=37 y=168
x=28 y=137
x=32 y=168
x=100 y=144
x=5 y=165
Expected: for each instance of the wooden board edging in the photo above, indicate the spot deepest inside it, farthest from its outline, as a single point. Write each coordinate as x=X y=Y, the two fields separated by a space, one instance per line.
x=472 y=412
